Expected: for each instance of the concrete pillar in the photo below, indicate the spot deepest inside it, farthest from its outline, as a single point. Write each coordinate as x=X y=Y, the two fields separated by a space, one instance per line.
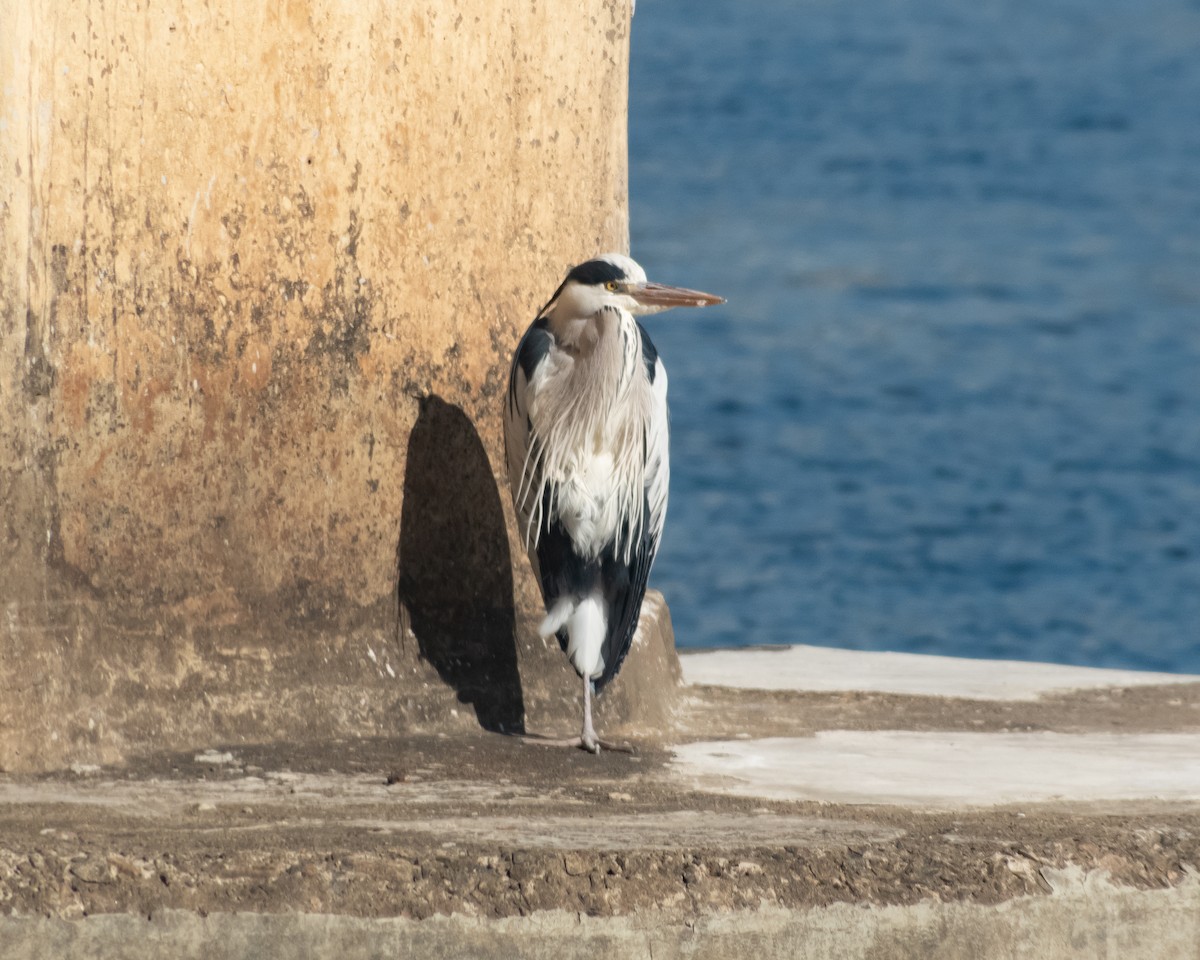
x=262 y=269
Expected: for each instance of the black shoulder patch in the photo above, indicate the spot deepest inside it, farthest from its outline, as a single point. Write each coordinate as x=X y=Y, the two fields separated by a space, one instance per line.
x=649 y=352
x=596 y=271
x=534 y=346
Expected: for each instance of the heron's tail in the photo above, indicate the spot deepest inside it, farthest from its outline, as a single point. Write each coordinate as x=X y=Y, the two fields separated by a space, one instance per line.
x=556 y=616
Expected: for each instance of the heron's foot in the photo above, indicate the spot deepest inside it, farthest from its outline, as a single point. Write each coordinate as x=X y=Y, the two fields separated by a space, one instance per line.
x=597 y=745
x=552 y=741
x=592 y=744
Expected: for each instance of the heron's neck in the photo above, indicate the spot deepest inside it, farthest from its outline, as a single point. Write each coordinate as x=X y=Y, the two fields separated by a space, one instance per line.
x=583 y=335
x=600 y=345
x=604 y=349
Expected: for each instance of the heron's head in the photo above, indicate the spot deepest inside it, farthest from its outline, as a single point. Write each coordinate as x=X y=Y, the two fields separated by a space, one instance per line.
x=615 y=280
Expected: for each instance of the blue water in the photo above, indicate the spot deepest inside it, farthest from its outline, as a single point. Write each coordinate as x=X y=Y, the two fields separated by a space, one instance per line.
x=953 y=404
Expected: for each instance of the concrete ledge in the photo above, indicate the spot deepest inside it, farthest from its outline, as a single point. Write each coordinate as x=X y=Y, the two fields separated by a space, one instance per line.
x=951 y=769
x=1085 y=917
x=772 y=823
x=827 y=669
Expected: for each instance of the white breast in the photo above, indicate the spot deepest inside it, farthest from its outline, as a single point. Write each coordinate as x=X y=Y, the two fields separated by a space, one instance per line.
x=588 y=504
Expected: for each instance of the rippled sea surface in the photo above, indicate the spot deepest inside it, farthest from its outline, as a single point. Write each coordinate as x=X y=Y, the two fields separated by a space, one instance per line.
x=953 y=404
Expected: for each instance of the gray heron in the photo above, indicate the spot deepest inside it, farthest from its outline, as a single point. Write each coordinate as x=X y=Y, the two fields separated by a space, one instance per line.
x=587 y=446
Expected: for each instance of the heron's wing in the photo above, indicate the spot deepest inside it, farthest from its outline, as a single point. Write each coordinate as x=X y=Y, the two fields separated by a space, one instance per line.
x=520 y=442
x=658 y=448
x=624 y=589
x=626 y=582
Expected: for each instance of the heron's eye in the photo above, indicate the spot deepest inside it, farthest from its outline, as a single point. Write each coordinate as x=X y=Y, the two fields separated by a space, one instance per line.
x=611 y=285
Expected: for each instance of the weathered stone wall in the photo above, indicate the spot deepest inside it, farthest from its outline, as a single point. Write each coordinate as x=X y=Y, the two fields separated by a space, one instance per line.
x=262 y=269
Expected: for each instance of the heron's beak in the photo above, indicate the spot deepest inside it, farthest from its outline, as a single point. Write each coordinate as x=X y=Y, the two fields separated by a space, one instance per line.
x=661 y=296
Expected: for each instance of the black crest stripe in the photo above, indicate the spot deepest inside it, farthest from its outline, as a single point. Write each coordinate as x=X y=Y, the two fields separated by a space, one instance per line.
x=596 y=271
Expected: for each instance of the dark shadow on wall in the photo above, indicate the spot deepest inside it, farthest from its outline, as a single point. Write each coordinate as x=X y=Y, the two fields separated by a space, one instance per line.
x=455 y=575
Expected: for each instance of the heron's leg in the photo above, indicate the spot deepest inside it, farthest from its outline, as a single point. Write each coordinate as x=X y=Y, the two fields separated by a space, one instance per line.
x=588 y=739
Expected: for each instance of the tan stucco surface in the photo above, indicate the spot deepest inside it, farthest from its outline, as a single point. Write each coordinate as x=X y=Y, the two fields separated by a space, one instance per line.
x=244 y=251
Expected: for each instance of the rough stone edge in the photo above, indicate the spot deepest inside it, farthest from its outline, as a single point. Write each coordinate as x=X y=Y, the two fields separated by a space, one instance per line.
x=1085 y=917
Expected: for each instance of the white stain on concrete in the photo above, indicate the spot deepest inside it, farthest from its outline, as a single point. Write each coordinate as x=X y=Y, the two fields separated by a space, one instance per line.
x=948 y=769
x=823 y=669
x=215 y=757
